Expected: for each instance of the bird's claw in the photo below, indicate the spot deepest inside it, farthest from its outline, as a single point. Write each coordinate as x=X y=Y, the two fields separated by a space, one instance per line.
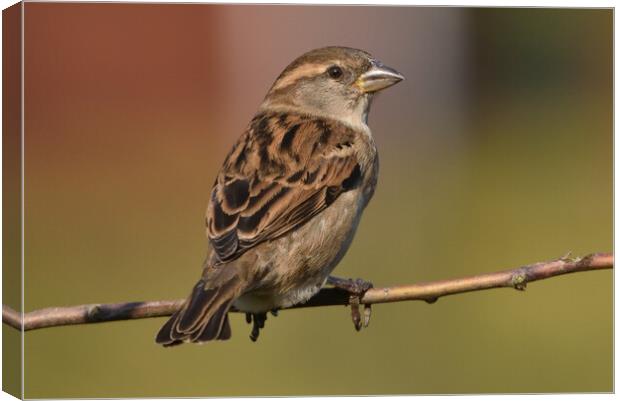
x=356 y=316
x=258 y=320
x=357 y=288
x=354 y=286
x=367 y=313
x=354 y=301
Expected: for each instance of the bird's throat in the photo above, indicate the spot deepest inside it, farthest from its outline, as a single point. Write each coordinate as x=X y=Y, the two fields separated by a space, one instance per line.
x=354 y=114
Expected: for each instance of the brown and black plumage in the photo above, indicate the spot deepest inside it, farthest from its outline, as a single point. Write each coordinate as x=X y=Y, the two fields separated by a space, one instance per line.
x=288 y=198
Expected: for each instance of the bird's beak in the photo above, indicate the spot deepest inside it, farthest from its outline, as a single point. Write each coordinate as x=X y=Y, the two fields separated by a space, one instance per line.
x=378 y=77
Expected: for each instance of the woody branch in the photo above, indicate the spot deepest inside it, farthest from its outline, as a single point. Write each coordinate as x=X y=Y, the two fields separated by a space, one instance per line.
x=514 y=278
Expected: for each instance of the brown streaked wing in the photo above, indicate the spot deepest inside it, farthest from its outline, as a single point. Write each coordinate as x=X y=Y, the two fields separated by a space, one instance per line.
x=282 y=172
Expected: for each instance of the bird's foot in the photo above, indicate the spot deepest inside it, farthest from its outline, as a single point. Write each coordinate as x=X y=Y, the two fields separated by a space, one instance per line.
x=356 y=288
x=353 y=286
x=258 y=322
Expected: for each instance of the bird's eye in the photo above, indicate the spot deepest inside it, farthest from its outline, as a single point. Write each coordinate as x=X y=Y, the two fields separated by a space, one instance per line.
x=334 y=72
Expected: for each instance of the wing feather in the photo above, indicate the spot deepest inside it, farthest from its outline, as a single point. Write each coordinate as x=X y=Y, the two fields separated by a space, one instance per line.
x=283 y=171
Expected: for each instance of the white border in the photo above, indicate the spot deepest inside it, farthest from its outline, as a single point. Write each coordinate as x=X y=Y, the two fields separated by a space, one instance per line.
x=479 y=3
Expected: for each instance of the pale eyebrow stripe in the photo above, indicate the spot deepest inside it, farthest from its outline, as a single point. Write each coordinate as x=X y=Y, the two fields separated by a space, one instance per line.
x=303 y=71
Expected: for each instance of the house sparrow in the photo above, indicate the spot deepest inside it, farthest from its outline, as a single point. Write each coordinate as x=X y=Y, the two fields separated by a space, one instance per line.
x=289 y=196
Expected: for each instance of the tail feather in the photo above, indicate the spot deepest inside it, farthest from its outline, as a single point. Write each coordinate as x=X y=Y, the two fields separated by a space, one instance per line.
x=164 y=336
x=225 y=333
x=197 y=307
x=204 y=316
x=212 y=329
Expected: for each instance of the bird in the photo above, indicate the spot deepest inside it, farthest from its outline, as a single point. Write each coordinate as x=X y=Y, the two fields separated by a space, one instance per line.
x=289 y=196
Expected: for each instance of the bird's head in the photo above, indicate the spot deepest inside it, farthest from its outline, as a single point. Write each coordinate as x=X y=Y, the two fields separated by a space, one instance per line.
x=335 y=82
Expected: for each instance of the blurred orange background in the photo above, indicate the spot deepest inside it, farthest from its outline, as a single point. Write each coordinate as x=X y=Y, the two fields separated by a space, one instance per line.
x=495 y=152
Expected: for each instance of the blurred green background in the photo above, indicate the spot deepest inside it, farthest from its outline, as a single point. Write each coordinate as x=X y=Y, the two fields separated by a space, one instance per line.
x=495 y=152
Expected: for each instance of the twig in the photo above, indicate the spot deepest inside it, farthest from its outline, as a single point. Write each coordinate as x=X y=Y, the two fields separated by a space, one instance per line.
x=429 y=292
